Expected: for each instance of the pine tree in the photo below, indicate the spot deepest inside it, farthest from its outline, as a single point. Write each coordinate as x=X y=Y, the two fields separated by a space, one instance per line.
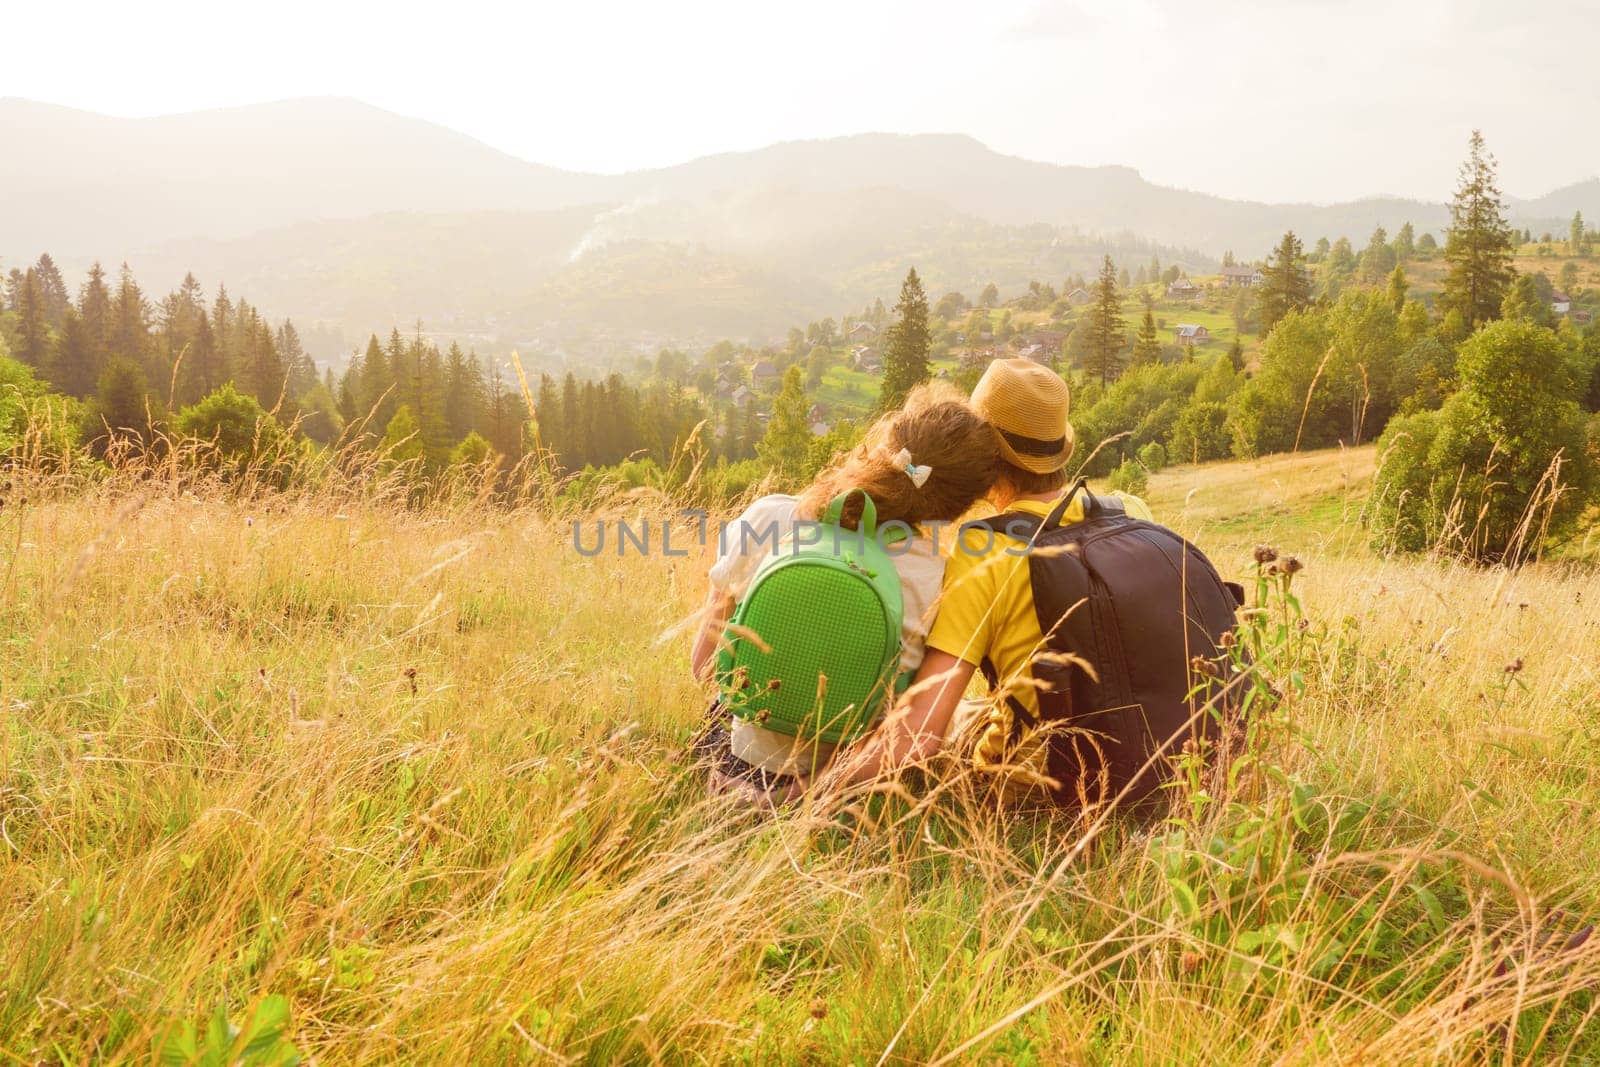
x=130 y=329
x=302 y=372
x=72 y=368
x=52 y=289
x=1478 y=245
x=547 y=410
x=1575 y=236
x=94 y=304
x=222 y=322
x=1147 y=344
x=1286 y=284
x=572 y=447
x=203 y=370
x=905 y=354
x=33 y=336
x=464 y=392
x=1106 y=328
x=374 y=395
x=502 y=420
x=124 y=408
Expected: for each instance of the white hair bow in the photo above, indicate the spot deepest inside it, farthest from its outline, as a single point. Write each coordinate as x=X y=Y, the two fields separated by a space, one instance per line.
x=918 y=474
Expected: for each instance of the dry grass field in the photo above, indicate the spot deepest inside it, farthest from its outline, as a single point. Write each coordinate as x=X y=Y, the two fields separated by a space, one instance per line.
x=322 y=776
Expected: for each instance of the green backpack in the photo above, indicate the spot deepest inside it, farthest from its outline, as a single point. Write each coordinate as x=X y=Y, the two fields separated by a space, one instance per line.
x=813 y=648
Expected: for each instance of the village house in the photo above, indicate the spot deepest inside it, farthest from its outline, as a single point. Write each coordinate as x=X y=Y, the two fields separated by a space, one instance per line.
x=1183 y=289
x=1079 y=297
x=1560 y=302
x=862 y=331
x=1035 y=352
x=764 y=371
x=1049 y=338
x=868 y=359
x=740 y=395
x=1188 y=334
x=1237 y=277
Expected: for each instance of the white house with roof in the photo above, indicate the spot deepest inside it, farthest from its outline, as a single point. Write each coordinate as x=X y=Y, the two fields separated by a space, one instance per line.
x=1189 y=334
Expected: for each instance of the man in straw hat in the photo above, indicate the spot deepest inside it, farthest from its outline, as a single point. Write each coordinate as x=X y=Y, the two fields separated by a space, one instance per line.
x=986 y=612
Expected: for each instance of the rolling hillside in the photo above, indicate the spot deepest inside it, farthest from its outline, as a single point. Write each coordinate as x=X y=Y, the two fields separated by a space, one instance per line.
x=386 y=785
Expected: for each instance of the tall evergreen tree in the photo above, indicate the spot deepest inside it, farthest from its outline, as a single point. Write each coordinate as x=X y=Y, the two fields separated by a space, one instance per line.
x=1107 y=331
x=1286 y=284
x=94 y=304
x=130 y=330
x=905 y=355
x=34 y=338
x=1479 y=243
x=297 y=363
x=74 y=369
x=53 y=290
x=204 y=369
x=463 y=393
x=1147 y=343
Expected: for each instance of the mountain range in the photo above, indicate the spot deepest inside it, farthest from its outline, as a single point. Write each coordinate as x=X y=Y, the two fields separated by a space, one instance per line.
x=352 y=217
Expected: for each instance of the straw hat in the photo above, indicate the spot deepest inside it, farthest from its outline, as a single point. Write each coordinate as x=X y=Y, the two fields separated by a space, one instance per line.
x=1027 y=406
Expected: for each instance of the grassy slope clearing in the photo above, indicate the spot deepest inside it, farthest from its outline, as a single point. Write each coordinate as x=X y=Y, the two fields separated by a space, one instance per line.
x=417 y=772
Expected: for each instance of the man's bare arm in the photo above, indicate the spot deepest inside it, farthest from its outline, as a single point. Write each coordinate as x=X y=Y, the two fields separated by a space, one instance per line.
x=915 y=729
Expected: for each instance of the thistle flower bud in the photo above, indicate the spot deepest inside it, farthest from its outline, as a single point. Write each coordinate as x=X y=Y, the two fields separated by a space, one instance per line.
x=1266 y=553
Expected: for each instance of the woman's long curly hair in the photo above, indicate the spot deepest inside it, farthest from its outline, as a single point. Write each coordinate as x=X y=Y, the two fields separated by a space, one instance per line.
x=941 y=431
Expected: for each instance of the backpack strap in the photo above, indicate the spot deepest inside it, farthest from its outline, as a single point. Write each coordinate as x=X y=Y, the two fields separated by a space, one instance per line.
x=1094 y=507
x=1029 y=526
x=868 y=526
x=1021 y=718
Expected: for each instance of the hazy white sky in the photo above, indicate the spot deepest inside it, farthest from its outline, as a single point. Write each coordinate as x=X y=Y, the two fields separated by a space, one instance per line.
x=1267 y=99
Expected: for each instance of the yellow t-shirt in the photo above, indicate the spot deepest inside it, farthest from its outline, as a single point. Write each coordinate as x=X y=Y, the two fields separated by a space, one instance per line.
x=986 y=608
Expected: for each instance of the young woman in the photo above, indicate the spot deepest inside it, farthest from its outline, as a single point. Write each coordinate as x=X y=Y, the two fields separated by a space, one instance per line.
x=928 y=462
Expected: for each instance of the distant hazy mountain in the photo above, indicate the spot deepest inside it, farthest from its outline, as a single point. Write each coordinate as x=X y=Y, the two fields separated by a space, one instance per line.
x=597 y=280
x=349 y=217
x=84 y=184
x=81 y=183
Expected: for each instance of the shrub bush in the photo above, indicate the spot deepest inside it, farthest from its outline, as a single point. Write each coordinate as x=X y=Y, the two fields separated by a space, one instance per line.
x=1503 y=468
x=1129 y=478
x=1153 y=456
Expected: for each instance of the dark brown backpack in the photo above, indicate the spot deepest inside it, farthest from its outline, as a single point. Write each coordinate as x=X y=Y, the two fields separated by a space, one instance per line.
x=1147 y=611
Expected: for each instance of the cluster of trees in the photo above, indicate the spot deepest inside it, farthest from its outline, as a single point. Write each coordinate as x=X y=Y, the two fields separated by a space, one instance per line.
x=1485 y=398
x=128 y=360
x=1487 y=378
x=129 y=368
